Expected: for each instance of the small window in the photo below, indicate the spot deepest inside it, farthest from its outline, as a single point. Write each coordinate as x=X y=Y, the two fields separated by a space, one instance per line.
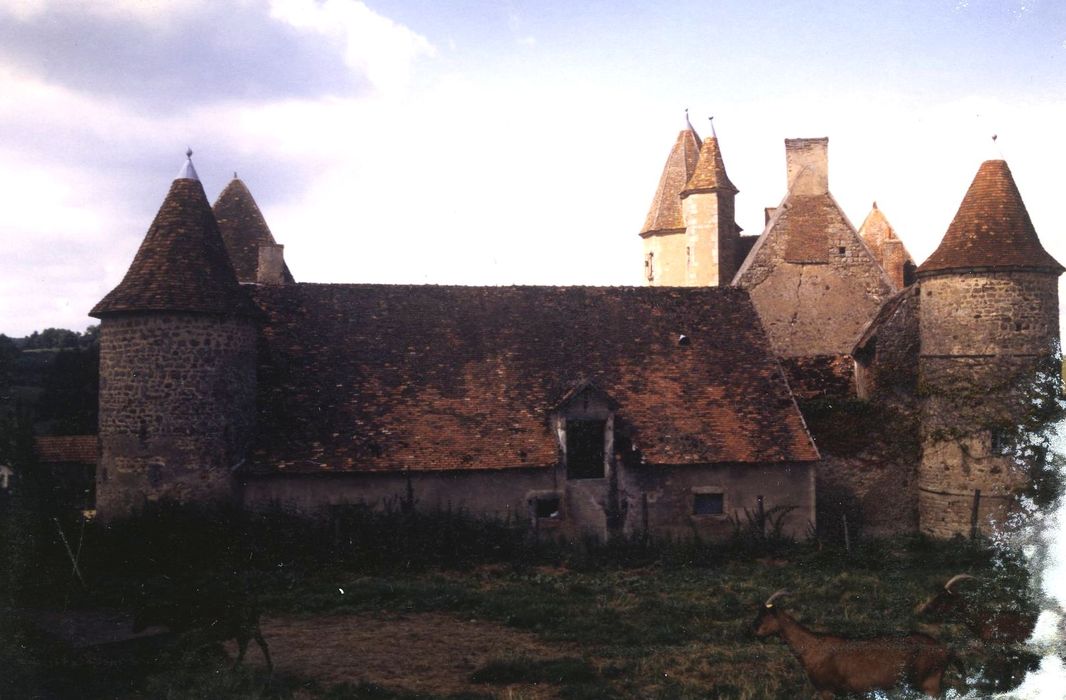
x=842 y=250
x=1000 y=443
x=649 y=267
x=546 y=508
x=708 y=504
x=585 y=449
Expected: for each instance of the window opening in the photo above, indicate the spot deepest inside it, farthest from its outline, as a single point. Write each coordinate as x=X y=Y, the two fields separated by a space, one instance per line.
x=842 y=250
x=649 y=266
x=585 y=449
x=547 y=507
x=708 y=504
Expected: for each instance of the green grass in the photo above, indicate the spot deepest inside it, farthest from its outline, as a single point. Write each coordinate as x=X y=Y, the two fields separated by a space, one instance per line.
x=659 y=620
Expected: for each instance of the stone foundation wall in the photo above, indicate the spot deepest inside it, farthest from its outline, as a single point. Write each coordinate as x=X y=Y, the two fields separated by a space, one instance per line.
x=177 y=407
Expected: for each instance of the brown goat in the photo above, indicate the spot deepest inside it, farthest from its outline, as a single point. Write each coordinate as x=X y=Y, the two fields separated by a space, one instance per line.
x=996 y=626
x=207 y=619
x=840 y=665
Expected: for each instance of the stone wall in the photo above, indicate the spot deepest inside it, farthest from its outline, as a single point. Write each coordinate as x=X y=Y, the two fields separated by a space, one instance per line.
x=667 y=259
x=984 y=336
x=510 y=495
x=989 y=313
x=177 y=407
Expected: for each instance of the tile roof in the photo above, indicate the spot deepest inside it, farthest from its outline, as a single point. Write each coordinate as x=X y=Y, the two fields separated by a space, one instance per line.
x=243 y=230
x=992 y=229
x=182 y=263
x=378 y=378
x=665 y=211
x=710 y=172
x=66 y=448
x=806 y=222
x=875 y=230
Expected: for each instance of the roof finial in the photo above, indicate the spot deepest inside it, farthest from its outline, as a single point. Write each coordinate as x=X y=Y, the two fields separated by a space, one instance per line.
x=875 y=204
x=688 y=121
x=714 y=135
x=187 y=172
x=234 y=174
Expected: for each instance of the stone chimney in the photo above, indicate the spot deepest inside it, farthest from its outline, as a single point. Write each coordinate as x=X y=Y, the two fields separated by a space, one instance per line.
x=808 y=165
x=271 y=265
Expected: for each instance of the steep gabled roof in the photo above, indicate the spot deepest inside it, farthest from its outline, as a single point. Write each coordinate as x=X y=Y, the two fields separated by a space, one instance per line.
x=875 y=230
x=182 y=263
x=710 y=175
x=393 y=377
x=244 y=230
x=665 y=211
x=991 y=230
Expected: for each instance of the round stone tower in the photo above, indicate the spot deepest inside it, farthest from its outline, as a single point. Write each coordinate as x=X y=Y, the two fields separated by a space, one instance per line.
x=177 y=364
x=988 y=318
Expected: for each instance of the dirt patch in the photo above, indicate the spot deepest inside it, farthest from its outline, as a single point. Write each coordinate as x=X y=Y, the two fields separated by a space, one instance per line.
x=424 y=653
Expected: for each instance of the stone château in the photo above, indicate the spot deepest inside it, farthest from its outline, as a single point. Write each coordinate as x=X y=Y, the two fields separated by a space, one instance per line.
x=809 y=372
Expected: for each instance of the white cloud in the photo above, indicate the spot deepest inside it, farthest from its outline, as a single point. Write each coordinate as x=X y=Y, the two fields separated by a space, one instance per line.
x=385 y=50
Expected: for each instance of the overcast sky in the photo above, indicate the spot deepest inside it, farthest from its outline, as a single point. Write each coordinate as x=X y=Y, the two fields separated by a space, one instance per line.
x=495 y=142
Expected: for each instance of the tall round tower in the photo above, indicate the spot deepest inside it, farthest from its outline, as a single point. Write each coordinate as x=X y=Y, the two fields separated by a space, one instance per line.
x=988 y=317
x=177 y=363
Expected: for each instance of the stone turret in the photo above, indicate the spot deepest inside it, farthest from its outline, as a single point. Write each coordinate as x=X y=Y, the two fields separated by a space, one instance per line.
x=711 y=232
x=177 y=363
x=256 y=256
x=988 y=317
x=664 y=231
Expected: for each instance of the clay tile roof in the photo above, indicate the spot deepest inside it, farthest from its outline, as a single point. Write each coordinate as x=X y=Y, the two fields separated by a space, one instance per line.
x=875 y=230
x=243 y=230
x=392 y=377
x=665 y=211
x=182 y=263
x=66 y=448
x=710 y=171
x=992 y=229
x=807 y=222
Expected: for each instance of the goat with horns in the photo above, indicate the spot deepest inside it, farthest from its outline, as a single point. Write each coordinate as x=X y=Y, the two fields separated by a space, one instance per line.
x=841 y=665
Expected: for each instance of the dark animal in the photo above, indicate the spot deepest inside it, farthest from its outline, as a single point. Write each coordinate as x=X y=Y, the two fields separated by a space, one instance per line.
x=988 y=625
x=207 y=619
x=840 y=665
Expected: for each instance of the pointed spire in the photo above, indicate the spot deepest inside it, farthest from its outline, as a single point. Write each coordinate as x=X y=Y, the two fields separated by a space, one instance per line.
x=244 y=230
x=182 y=263
x=187 y=172
x=665 y=211
x=888 y=250
x=992 y=229
x=710 y=172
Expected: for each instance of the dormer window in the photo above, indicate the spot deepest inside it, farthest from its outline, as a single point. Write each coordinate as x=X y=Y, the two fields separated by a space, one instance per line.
x=585 y=449
x=584 y=420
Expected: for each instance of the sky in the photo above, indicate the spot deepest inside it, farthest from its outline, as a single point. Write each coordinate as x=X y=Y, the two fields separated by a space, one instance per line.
x=508 y=142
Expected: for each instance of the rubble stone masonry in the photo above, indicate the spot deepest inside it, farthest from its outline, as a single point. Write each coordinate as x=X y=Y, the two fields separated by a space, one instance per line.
x=177 y=407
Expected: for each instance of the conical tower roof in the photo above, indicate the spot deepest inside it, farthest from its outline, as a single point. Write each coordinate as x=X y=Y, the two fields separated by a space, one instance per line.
x=665 y=212
x=244 y=230
x=710 y=172
x=992 y=229
x=182 y=263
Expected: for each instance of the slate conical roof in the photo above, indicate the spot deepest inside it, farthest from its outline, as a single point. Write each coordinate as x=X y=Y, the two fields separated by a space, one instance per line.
x=710 y=172
x=665 y=211
x=991 y=230
x=243 y=230
x=182 y=263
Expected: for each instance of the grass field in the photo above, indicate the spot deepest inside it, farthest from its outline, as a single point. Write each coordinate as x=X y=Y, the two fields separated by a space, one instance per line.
x=637 y=620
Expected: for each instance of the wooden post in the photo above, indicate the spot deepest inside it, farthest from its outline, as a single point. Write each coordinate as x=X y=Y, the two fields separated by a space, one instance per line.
x=847 y=535
x=974 y=511
x=761 y=514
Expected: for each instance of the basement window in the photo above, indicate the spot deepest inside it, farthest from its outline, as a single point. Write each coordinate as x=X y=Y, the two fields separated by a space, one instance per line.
x=709 y=503
x=585 y=449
